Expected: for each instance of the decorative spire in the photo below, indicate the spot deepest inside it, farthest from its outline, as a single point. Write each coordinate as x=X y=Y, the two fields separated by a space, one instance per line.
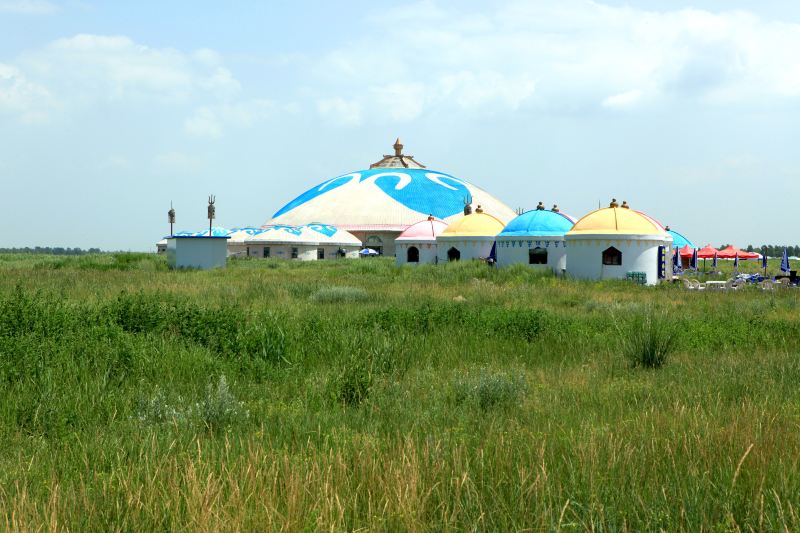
x=555 y=208
x=625 y=205
x=613 y=203
x=398 y=160
x=540 y=207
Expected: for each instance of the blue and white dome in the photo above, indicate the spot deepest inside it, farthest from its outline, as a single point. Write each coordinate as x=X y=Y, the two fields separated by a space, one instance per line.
x=393 y=194
x=308 y=234
x=538 y=223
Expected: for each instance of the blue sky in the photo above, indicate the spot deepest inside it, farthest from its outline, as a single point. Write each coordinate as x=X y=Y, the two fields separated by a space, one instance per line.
x=108 y=110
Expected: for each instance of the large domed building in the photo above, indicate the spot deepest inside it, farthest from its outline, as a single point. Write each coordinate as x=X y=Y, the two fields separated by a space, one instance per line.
x=379 y=203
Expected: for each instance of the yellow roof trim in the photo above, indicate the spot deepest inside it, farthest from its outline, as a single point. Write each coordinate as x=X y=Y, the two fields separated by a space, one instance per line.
x=474 y=225
x=615 y=221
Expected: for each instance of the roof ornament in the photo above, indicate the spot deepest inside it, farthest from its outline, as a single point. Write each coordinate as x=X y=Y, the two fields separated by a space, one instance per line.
x=212 y=212
x=555 y=208
x=467 y=205
x=667 y=228
x=613 y=203
x=171 y=218
x=625 y=205
x=398 y=160
x=479 y=209
x=540 y=207
x=431 y=217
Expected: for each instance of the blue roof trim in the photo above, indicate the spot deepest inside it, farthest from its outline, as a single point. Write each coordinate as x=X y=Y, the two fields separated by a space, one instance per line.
x=538 y=223
x=679 y=240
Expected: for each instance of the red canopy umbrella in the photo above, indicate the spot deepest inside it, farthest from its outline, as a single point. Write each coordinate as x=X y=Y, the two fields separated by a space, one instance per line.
x=686 y=251
x=731 y=251
x=707 y=252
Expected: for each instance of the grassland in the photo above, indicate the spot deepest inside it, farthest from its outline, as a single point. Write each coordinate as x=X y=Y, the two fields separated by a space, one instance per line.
x=356 y=395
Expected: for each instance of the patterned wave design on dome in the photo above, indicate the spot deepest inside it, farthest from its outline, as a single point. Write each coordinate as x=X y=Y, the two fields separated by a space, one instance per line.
x=421 y=190
x=323 y=229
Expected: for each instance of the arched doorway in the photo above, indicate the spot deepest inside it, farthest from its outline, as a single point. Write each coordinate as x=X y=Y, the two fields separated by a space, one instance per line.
x=612 y=256
x=412 y=256
x=453 y=254
x=537 y=256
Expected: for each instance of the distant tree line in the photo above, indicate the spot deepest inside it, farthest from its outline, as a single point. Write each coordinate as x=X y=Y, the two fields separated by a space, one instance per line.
x=58 y=250
x=774 y=250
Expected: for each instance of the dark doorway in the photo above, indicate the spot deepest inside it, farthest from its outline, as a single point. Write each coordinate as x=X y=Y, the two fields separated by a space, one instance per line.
x=413 y=255
x=612 y=256
x=537 y=256
x=453 y=254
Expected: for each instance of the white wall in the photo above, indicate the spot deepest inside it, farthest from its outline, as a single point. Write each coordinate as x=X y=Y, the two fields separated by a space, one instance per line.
x=197 y=252
x=304 y=252
x=427 y=251
x=512 y=250
x=639 y=254
x=470 y=247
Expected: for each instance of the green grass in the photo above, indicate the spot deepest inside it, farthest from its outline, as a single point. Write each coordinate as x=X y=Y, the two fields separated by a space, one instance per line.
x=350 y=395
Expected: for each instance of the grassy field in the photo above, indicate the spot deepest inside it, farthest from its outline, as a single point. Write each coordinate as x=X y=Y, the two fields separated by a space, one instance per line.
x=355 y=395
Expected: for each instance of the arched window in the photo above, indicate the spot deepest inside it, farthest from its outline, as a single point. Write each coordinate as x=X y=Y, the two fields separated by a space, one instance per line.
x=412 y=256
x=612 y=256
x=453 y=254
x=537 y=256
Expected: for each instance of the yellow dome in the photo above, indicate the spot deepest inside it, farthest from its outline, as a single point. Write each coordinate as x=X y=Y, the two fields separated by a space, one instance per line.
x=616 y=221
x=478 y=224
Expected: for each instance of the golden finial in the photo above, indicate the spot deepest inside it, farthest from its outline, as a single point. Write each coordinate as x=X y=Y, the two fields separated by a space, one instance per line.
x=540 y=207
x=479 y=209
x=555 y=208
x=398 y=148
x=613 y=203
x=625 y=205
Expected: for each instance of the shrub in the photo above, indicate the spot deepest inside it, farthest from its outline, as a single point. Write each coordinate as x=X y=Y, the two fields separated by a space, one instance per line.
x=648 y=340
x=489 y=389
x=331 y=295
x=220 y=408
x=157 y=410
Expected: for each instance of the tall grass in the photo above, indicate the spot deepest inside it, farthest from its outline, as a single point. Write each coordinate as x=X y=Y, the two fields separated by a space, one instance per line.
x=135 y=398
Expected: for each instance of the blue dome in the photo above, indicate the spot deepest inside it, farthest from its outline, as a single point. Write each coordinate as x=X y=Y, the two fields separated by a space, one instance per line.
x=538 y=222
x=679 y=240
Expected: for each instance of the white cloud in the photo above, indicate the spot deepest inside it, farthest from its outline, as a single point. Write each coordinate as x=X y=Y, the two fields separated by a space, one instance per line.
x=117 y=68
x=28 y=7
x=622 y=100
x=19 y=96
x=210 y=121
x=570 y=54
x=340 y=110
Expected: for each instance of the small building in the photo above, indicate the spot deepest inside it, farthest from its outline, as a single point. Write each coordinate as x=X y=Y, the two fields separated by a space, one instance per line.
x=161 y=246
x=536 y=238
x=417 y=244
x=617 y=242
x=470 y=236
x=309 y=242
x=237 y=245
x=193 y=251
